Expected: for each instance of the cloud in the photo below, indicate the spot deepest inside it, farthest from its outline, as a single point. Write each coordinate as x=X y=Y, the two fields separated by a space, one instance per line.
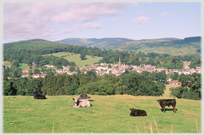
x=114 y=19
x=34 y=19
x=141 y=19
x=164 y=14
x=79 y=27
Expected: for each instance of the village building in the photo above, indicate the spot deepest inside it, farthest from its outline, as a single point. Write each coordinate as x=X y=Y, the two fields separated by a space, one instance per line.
x=175 y=82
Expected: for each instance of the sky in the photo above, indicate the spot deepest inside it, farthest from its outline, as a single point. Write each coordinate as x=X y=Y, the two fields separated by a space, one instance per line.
x=133 y=20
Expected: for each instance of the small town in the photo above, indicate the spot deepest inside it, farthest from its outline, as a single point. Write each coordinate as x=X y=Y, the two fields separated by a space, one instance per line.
x=118 y=69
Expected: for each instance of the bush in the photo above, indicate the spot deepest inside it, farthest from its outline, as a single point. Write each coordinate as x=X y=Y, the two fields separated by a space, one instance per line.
x=71 y=90
x=21 y=92
x=191 y=95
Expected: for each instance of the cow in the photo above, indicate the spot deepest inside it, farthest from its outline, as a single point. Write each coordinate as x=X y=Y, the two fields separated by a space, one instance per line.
x=137 y=112
x=81 y=103
x=83 y=96
x=167 y=102
x=38 y=96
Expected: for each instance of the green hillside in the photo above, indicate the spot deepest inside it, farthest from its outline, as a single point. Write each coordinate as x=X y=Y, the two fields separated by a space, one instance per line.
x=173 y=47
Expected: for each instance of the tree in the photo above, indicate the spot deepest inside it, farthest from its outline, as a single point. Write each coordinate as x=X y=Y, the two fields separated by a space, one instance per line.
x=71 y=68
x=78 y=71
x=139 y=84
x=36 y=71
x=83 y=55
x=91 y=73
x=15 y=63
x=71 y=90
x=7 y=88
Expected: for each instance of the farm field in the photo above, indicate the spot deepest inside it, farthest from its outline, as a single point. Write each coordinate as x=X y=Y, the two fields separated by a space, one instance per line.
x=76 y=58
x=108 y=114
x=6 y=63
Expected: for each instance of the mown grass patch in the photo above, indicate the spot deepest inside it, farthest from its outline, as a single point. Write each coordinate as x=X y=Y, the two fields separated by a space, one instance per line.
x=108 y=114
x=23 y=65
x=71 y=57
x=7 y=63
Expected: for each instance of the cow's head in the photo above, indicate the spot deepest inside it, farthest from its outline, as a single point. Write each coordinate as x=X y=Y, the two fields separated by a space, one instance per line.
x=87 y=96
x=132 y=111
x=159 y=101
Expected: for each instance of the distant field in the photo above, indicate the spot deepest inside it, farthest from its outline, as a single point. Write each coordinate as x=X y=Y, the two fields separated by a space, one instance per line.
x=76 y=58
x=108 y=114
x=23 y=65
x=6 y=63
x=167 y=92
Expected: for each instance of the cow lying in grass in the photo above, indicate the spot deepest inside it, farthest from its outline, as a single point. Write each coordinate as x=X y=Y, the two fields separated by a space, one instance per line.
x=167 y=102
x=137 y=112
x=83 y=96
x=39 y=96
x=81 y=103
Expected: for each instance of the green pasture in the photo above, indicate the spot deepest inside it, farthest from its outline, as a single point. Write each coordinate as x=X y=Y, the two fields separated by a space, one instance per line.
x=6 y=63
x=23 y=65
x=108 y=114
x=71 y=57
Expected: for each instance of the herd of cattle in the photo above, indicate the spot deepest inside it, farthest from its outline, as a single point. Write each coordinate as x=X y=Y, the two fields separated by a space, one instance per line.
x=81 y=101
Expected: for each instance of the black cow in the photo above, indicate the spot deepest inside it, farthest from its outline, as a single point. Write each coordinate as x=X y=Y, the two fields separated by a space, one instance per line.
x=39 y=96
x=167 y=102
x=83 y=96
x=137 y=112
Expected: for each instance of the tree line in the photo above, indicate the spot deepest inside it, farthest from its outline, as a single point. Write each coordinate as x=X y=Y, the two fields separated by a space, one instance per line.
x=132 y=83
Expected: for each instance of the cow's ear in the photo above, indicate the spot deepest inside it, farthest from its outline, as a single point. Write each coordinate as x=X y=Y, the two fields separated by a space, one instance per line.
x=73 y=98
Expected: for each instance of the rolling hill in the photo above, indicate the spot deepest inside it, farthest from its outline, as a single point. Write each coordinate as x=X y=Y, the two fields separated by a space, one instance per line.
x=173 y=46
x=94 y=42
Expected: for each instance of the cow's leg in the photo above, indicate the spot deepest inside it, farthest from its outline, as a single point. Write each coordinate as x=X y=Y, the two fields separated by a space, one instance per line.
x=164 y=108
x=174 y=109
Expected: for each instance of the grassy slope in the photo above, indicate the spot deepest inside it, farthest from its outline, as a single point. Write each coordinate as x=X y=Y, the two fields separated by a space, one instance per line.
x=109 y=114
x=174 y=47
x=76 y=58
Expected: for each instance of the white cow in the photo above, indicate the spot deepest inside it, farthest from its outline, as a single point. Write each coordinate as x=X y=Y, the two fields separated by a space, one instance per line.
x=81 y=103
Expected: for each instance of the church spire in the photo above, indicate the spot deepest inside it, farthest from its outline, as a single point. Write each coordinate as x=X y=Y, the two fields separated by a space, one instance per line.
x=119 y=64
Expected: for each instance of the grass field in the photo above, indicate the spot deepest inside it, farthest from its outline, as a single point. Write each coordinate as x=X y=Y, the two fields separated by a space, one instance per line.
x=6 y=63
x=108 y=114
x=76 y=58
x=23 y=65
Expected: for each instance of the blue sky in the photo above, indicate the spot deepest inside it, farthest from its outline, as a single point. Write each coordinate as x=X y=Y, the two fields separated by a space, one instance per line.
x=134 y=20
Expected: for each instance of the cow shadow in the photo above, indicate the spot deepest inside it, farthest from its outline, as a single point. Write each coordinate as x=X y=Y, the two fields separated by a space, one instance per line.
x=166 y=109
x=91 y=100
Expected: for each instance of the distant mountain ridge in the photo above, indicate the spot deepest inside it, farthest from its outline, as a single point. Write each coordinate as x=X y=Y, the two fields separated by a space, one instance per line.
x=94 y=42
x=173 y=46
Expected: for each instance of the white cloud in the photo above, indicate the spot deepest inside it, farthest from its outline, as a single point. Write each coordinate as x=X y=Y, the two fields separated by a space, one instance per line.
x=141 y=19
x=164 y=14
x=79 y=27
x=33 y=19
x=114 y=19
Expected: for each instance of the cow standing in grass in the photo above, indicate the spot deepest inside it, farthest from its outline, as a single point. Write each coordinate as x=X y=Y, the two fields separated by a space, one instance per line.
x=39 y=96
x=167 y=102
